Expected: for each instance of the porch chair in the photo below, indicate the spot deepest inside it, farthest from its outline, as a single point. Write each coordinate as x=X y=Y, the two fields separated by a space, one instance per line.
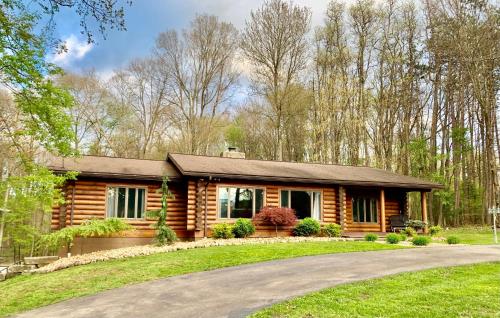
x=398 y=222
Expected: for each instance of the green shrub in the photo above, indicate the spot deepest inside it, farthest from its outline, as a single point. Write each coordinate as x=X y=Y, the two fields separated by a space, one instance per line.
x=452 y=240
x=222 y=231
x=332 y=230
x=393 y=238
x=307 y=227
x=434 y=230
x=409 y=231
x=165 y=235
x=370 y=237
x=243 y=228
x=89 y=228
x=421 y=240
x=403 y=236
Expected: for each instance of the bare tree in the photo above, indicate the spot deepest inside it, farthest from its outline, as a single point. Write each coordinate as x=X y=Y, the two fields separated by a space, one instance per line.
x=200 y=76
x=274 y=41
x=142 y=87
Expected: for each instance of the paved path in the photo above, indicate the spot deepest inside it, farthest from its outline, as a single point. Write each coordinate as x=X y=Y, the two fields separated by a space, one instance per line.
x=238 y=291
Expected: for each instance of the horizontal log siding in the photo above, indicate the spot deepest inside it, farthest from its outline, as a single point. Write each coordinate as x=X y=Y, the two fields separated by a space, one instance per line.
x=56 y=214
x=394 y=203
x=90 y=202
x=329 y=205
x=328 y=212
x=392 y=207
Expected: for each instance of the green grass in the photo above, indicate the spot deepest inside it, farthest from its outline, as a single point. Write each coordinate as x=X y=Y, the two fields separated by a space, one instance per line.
x=466 y=291
x=26 y=292
x=471 y=235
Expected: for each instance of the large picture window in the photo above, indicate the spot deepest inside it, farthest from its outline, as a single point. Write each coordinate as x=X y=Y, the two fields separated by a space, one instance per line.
x=126 y=203
x=364 y=210
x=305 y=203
x=239 y=202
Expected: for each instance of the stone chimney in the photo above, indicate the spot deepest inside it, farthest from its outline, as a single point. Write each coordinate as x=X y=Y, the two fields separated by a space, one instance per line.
x=232 y=152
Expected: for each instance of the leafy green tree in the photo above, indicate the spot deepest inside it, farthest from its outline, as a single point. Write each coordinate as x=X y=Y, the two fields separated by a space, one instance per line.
x=25 y=71
x=41 y=107
x=27 y=205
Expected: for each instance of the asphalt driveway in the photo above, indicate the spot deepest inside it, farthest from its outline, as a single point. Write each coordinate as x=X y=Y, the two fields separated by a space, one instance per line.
x=238 y=291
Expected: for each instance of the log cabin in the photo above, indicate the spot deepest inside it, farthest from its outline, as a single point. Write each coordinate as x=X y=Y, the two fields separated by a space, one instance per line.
x=209 y=190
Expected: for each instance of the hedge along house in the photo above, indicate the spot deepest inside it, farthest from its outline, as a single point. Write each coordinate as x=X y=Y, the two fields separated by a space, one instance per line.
x=209 y=190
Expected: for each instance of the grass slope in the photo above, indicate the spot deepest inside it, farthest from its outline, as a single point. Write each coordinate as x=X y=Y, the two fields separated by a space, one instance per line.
x=471 y=235
x=26 y=292
x=466 y=291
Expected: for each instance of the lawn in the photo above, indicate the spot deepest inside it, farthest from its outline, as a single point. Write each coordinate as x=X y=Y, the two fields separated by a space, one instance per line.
x=465 y=291
x=471 y=235
x=26 y=292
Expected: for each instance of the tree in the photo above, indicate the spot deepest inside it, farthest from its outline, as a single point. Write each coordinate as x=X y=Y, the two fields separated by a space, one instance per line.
x=25 y=72
x=142 y=87
x=276 y=216
x=274 y=42
x=91 y=111
x=39 y=107
x=164 y=234
x=199 y=76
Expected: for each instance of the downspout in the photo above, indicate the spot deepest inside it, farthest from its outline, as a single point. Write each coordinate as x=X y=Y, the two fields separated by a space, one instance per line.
x=72 y=204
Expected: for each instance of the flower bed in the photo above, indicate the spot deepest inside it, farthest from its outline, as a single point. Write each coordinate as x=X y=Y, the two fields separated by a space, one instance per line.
x=152 y=249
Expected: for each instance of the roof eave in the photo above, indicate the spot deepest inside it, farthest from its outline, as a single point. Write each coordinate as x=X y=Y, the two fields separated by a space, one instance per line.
x=411 y=186
x=107 y=175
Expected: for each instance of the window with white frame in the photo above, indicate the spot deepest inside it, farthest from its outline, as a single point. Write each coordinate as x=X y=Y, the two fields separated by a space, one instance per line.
x=239 y=202
x=125 y=202
x=305 y=203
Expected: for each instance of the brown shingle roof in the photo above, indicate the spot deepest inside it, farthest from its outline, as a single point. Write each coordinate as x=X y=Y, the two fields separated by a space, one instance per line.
x=191 y=165
x=110 y=167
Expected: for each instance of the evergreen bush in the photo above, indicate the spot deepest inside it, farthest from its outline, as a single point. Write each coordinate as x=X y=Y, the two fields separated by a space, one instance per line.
x=370 y=237
x=222 y=231
x=332 y=230
x=243 y=228
x=393 y=238
x=307 y=227
x=452 y=240
x=421 y=240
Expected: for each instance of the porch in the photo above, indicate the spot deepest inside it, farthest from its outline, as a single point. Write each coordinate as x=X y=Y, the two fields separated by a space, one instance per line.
x=362 y=211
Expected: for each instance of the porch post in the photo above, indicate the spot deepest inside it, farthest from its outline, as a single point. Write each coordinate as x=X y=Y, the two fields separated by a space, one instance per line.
x=423 y=199
x=342 y=206
x=382 y=210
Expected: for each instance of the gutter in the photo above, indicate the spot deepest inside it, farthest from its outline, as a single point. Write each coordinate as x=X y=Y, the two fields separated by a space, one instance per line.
x=319 y=181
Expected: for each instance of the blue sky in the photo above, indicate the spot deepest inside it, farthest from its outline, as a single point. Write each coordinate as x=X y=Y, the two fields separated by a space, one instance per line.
x=145 y=19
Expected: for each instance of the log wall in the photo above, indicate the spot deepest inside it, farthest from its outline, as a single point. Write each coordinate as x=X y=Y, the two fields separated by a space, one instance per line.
x=393 y=205
x=86 y=199
x=272 y=198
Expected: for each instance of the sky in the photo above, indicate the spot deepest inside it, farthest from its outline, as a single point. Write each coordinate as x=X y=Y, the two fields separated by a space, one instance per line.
x=145 y=19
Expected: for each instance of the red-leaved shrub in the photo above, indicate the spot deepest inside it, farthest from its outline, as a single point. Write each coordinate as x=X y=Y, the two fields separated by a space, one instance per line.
x=276 y=216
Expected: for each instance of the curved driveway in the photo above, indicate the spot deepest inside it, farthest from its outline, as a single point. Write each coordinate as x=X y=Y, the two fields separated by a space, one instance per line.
x=238 y=291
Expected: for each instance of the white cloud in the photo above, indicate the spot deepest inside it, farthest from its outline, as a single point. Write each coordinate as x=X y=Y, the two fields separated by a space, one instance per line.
x=75 y=50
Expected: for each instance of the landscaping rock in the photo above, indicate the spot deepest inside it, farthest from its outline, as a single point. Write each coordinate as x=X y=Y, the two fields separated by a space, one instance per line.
x=40 y=260
x=152 y=249
x=20 y=268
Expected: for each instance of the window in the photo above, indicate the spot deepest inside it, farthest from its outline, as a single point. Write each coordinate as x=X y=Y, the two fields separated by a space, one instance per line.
x=305 y=203
x=364 y=210
x=126 y=203
x=240 y=202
